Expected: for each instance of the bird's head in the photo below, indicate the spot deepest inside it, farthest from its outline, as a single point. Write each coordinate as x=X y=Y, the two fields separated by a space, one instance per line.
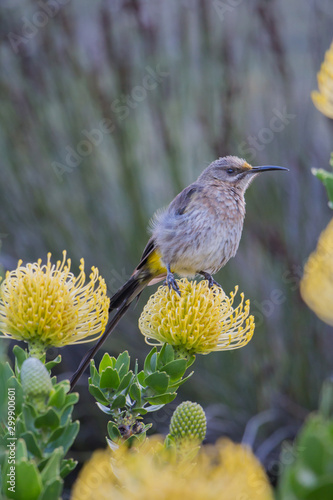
x=233 y=171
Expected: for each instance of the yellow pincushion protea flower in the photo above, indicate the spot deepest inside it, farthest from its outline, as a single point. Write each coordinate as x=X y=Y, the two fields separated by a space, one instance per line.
x=225 y=471
x=323 y=100
x=200 y=321
x=317 y=282
x=46 y=305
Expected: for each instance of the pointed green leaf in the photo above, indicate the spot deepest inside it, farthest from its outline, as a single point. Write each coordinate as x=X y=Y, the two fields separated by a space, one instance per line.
x=113 y=431
x=106 y=362
x=50 y=420
x=104 y=409
x=57 y=433
x=177 y=384
x=165 y=356
x=162 y=399
x=122 y=364
x=94 y=375
x=71 y=399
x=65 y=440
x=141 y=377
x=57 y=397
x=51 y=470
x=13 y=383
x=139 y=411
x=54 y=362
x=32 y=445
x=135 y=393
x=20 y=356
x=152 y=408
x=21 y=450
x=118 y=402
x=126 y=382
x=29 y=415
x=67 y=466
x=158 y=381
x=147 y=366
x=28 y=483
x=327 y=179
x=52 y=491
x=109 y=379
x=176 y=369
x=97 y=393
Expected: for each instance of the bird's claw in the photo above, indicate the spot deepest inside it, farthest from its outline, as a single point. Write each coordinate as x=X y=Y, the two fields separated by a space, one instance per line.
x=172 y=283
x=210 y=279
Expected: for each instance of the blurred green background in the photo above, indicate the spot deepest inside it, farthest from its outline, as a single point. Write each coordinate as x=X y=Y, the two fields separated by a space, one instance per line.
x=108 y=109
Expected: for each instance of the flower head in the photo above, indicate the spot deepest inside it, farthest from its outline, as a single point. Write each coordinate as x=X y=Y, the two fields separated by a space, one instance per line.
x=48 y=306
x=188 y=422
x=201 y=320
x=225 y=471
x=323 y=100
x=317 y=281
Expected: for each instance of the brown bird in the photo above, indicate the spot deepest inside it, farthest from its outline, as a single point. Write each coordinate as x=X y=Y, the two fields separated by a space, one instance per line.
x=197 y=234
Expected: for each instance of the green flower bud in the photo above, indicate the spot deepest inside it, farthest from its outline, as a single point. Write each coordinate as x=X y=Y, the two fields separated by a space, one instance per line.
x=188 y=422
x=35 y=379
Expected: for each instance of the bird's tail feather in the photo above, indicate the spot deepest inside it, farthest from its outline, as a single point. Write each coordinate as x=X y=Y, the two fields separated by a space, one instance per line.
x=91 y=353
x=131 y=289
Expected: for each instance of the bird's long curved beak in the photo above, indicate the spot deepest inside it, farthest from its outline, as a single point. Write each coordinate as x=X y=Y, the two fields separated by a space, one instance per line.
x=265 y=168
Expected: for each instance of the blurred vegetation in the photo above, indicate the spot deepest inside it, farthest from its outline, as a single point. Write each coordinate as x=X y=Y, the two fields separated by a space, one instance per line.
x=221 y=77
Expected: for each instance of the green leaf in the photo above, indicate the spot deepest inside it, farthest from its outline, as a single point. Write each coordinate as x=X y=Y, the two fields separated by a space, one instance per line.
x=191 y=360
x=176 y=369
x=152 y=408
x=165 y=356
x=122 y=364
x=32 y=445
x=126 y=381
x=29 y=415
x=28 y=483
x=104 y=409
x=106 y=362
x=52 y=490
x=141 y=377
x=65 y=440
x=113 y=431
x=20 y=356
x=139 y=411
x=67 y=466
x=94 y=375
x=50 y=420
x=57 y=398
x=109 y=379
x=97 y=393
x=51 y=470
x=177 y=384
x=54 y=362
x=135 y=393
x=327 y=179
x=119 y=402
x=71 y=399
x=13 y=383
x=21 y=450
x=162 y=399
x=147 y=365
x=57 y=433
x=158 y=381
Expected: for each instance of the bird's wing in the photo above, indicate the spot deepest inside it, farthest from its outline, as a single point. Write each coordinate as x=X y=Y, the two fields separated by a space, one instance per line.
x=183 y=201
x=149 y=248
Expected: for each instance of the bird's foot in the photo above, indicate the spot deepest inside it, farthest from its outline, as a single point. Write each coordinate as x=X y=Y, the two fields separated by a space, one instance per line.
x=171 y=282
x=210 y=279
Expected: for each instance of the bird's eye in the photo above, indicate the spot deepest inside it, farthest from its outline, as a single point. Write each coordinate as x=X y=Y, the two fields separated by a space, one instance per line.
x=230 y=171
